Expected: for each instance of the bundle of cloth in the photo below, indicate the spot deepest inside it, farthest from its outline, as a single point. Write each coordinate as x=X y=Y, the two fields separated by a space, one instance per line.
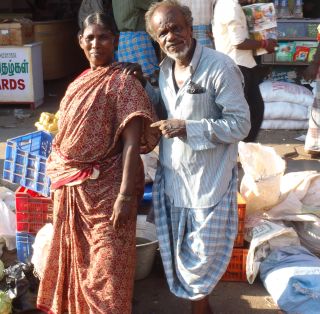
x=287 y=105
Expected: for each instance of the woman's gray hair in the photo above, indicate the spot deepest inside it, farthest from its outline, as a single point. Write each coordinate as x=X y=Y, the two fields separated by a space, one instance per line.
x=98 y=18
x=167 y=3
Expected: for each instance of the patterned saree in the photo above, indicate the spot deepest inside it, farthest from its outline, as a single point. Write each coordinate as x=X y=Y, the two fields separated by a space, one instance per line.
x=90 y=266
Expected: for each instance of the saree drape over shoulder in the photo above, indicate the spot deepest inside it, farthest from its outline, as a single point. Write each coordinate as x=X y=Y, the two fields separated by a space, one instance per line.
x=90 y=266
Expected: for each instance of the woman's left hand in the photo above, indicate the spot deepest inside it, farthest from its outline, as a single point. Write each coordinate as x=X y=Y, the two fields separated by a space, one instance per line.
x=123 y=211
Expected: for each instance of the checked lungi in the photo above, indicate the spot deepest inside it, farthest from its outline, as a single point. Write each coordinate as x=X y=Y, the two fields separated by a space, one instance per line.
x=201 y=34
x=195 y=244
x=137 y=47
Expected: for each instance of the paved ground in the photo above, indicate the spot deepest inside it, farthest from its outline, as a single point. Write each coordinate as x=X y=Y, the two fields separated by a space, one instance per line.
x=151 y=295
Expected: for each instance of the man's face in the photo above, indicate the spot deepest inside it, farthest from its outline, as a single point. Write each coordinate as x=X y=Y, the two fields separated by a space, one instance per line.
x=172 y=32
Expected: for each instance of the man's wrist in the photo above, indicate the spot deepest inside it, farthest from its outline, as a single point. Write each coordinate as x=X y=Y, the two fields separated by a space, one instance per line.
x=263 y=44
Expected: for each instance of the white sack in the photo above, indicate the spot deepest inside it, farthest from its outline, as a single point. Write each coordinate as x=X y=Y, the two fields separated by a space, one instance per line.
x=285 y=111
x=41 y=246
x=150 y=162
x=285 y=124
x=300 y=197
x=260 y=186
x=286 y=92
x=266 y=237
x=7 y=218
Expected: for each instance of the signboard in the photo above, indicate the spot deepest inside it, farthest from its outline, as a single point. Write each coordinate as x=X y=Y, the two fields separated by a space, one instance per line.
x=21 y=78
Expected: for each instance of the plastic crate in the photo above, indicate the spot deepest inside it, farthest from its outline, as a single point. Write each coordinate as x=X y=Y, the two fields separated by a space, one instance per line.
x=24 y=243
x=147 y=195
x=239 y=241
x=33 y=210
x=236 y=270
x=25 y=161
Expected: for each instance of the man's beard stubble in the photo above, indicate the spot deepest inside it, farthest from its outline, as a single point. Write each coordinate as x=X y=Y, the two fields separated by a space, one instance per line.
x=178 y=55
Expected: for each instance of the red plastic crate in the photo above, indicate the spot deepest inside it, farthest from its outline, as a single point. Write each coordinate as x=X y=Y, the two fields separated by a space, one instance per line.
x=33 y=210
x=236 y=270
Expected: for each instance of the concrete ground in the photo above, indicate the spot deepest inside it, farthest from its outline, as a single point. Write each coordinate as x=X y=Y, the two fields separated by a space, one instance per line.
x=151 y=295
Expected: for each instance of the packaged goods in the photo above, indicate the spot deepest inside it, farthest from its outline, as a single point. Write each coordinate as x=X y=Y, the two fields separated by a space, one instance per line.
x=285 y=51
x=48 y=122
x=311 y=54
x=301 y=54
x=16 y=32
x=260 y=16
x=262 y=22
x=265 y=34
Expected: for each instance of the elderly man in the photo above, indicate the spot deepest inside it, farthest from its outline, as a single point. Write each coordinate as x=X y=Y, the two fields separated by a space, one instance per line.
x=195 y=190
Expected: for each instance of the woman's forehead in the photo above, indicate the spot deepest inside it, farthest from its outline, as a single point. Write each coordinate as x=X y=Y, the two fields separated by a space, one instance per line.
x=96 y=28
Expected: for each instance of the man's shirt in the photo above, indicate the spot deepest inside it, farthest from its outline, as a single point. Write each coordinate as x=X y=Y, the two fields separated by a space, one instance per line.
x=198 y=168
x=230 y=29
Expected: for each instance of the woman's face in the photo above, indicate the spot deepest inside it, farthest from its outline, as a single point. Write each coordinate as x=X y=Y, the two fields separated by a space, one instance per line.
x=97 y=44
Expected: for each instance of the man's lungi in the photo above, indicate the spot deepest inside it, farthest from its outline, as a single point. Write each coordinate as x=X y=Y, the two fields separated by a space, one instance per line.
x=195 y=244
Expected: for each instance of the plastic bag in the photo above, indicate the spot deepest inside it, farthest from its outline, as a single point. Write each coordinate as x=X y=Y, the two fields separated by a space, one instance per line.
x=263 y=170
x=7 y=217
x=21 y=286
x=150 y=162
x=40 y=248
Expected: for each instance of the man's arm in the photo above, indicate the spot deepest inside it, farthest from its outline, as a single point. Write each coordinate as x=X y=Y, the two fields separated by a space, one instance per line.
x=237 y=32
x=234 y=123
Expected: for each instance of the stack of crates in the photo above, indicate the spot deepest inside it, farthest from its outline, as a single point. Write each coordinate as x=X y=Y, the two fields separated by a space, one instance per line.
x=25 y=164
x=236 y=270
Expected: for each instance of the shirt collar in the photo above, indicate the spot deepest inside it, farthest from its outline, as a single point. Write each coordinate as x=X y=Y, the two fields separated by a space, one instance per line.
x=166 y=64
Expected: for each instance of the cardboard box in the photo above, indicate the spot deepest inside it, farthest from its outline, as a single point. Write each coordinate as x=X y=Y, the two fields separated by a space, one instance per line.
x=16 y=33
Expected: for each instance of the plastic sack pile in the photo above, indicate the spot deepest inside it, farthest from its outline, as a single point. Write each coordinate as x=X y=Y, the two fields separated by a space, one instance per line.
x=283 y=227
x=287 y=105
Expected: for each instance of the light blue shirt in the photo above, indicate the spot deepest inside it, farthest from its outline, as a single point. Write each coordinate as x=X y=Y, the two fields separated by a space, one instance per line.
x=198 y=168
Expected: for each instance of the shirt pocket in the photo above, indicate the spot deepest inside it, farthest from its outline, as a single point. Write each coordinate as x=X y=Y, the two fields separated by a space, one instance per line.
x=198 y=106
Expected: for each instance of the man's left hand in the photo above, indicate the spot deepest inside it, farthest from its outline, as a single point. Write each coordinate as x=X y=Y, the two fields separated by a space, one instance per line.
x=171 y=128
x=134 y=69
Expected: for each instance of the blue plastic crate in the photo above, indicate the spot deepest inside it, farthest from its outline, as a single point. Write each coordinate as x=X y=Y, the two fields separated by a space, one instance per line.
x=24 y=243
x=147 y=195
x=25 y=161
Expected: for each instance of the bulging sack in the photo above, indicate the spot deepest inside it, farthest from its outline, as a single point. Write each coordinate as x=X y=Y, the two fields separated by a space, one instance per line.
x=263 y=171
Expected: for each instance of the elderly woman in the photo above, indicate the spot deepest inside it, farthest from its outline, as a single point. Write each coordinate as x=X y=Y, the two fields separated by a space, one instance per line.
x=97 y=178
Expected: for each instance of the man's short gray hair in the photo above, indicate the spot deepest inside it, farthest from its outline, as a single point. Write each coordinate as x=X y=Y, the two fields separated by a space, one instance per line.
x=167 y=3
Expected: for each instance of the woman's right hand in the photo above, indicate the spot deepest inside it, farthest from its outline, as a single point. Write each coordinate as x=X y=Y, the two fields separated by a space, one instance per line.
x=123 y=211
